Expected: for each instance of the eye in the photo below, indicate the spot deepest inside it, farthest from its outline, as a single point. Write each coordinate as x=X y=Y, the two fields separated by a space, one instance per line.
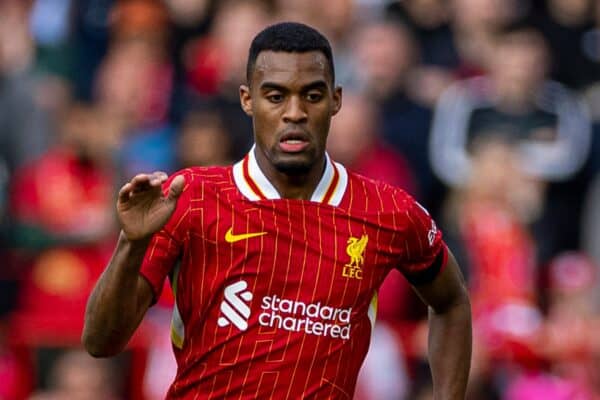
x=275 y=97
x=314 y=96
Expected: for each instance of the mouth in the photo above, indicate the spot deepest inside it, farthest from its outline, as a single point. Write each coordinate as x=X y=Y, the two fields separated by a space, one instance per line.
x=293 y=142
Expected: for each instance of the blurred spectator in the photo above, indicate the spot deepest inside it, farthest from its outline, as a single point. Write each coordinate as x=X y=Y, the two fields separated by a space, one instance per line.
x=62 y=206
x=305 y=11
x=213 y=62
x=573 y=353
x=490 y=216
x=493 y=212
x=475 y=25
x=140 y=18
x=25 y=125
x=549 y=124
x=63 y=211
x=27 y=104
x=518 y=99
x=216 y=69
x=134 y=87
x=575 y=44
x=573 y=280
x=90 y=36
x=355 y=140
x=336 y=20
x=77 y=376
x=66 y=195
x=386 y=54
x=190 y=19
x=188 y=13
x=430 y=22
x=204 y=140
x=133 y=83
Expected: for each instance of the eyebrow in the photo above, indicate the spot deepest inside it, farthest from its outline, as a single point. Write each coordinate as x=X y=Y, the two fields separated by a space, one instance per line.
x=271 y=86
x=319 y=84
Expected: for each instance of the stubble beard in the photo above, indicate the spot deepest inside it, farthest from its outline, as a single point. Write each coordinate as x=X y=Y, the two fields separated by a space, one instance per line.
x=292 y=168
x=290 y=165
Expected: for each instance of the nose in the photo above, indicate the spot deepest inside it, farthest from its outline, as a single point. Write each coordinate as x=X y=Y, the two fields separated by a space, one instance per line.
x=295 y=112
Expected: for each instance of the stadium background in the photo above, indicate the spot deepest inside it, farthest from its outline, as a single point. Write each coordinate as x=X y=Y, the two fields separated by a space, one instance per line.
x=487 y=111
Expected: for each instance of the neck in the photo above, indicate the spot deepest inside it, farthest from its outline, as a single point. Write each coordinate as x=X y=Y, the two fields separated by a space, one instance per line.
x=298 y=186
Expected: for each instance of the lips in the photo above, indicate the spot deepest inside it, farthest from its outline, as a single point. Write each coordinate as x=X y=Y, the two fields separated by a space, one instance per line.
x=293 y=142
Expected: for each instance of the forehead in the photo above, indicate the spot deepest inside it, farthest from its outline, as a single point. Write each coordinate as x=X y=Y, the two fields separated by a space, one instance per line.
x=290 y=68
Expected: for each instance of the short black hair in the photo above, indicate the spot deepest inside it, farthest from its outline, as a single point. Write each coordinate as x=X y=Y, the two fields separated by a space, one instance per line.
x=289 y=37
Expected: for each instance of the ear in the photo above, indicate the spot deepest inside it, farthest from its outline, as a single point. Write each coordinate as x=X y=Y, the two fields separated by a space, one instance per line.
x=246 y=99
x=337 y=100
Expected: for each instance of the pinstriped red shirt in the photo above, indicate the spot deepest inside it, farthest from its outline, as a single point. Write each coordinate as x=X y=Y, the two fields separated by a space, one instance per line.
x=276 y=298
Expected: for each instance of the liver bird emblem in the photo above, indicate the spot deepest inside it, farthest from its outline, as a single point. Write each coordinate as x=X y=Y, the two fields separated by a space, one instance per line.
x=356 y=249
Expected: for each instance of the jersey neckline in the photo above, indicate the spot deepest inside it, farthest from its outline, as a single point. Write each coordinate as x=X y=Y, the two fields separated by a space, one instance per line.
x=254 y=185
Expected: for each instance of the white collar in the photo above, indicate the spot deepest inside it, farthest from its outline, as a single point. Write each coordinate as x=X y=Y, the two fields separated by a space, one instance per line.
x=254 y=185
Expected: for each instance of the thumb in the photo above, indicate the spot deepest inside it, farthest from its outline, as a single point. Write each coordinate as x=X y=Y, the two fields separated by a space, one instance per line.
x=176 y=188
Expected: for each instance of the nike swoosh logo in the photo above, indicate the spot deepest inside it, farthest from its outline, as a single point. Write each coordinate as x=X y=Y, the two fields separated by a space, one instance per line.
x=231 y=238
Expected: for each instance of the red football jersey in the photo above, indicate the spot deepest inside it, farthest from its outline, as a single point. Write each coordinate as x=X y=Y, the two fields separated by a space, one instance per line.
x=276 y=298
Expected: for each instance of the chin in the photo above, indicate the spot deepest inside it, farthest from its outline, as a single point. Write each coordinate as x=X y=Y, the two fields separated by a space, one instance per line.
x=293 y=167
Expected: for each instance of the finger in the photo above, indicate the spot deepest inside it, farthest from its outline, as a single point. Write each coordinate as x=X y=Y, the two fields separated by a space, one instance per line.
x=176 y=187
x=125 y=192
x=140 y=178
x=157 y=178
x=160 y=175
x=140 y=182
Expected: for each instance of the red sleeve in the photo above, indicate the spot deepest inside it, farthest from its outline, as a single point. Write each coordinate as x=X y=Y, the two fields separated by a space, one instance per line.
x=424 y=252
x=166 y=245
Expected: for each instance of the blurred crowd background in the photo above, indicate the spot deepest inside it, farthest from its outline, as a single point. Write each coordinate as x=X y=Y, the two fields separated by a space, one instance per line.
x=487 y=111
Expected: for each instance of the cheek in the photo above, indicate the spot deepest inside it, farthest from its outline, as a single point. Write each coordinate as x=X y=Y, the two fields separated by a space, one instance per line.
x=322 y=120
x=265 y=123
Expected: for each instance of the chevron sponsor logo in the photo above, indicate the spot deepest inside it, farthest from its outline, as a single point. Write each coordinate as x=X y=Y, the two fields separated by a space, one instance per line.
x=234 y=307
x=290 y=315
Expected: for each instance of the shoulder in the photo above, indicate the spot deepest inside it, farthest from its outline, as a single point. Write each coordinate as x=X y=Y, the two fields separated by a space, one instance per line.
x=389 y=196
x=203 y=178
x=203 y=175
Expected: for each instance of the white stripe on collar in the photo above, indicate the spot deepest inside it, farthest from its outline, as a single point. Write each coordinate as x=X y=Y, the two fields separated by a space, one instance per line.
x=256 y=186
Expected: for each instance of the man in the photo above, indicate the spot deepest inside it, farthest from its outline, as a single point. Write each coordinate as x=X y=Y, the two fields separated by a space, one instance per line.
x=276 y=261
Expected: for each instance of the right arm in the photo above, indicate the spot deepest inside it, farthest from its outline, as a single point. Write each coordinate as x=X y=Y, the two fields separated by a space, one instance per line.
x=118 y=302
x=122 y=296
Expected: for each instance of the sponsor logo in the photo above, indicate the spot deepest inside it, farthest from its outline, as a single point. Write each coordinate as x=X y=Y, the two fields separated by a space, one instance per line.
x=356 y=250
x=290 y=315
x=230 y=237
x=310 y=318
x=234 y=306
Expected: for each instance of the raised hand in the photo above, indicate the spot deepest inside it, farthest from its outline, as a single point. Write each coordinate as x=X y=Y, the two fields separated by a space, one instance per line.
x=142 y=207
